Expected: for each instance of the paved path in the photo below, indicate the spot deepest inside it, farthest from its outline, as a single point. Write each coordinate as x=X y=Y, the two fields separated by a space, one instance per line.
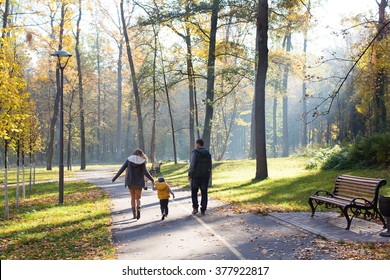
x=220 y=234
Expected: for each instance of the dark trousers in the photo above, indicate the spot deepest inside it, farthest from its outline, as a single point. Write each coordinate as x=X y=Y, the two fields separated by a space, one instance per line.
x=164 y=206
x=202 y=184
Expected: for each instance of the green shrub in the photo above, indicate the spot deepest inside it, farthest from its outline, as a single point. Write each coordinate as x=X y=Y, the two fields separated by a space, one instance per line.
x=321 y=156
x=373 y=151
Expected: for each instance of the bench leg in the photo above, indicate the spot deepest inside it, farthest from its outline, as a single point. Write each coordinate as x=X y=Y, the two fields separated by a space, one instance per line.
x=349 y=220
x=385 y=225
x=313 y=209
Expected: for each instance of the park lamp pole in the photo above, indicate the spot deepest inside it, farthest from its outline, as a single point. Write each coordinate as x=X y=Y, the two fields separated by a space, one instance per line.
x=63 y=58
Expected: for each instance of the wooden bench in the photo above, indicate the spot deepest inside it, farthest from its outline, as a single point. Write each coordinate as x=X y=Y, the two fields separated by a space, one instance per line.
x=357 y=194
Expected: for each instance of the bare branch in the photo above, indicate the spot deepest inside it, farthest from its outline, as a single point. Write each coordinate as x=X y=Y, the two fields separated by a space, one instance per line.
x=315 y=111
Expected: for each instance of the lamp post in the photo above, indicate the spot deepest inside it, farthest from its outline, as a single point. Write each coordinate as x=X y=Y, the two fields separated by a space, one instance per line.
x=63 y=58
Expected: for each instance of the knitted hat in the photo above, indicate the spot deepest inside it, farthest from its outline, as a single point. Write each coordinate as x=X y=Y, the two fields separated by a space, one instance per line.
x=161 y=179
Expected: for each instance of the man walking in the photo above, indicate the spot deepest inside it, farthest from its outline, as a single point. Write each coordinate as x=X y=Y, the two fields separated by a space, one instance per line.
x=199 y=175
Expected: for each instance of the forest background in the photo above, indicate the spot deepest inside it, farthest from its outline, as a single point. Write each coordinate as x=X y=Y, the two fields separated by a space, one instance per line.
x=159 y=74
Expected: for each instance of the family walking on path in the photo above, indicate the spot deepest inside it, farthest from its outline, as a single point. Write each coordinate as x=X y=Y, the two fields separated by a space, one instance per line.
x=220 y=234
x=199 y=176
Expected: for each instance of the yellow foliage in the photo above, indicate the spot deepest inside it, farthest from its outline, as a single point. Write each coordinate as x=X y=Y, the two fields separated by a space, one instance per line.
x=14 y=100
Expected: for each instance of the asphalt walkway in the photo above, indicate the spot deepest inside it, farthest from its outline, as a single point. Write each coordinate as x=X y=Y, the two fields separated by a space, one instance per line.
x=220 y=234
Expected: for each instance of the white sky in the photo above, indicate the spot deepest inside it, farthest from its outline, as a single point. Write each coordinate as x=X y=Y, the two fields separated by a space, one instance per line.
x=329 y=16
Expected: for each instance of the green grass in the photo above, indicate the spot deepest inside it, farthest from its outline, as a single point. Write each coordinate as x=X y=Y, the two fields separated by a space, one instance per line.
x=41 y=174
x=41 y=229
x=286 y=189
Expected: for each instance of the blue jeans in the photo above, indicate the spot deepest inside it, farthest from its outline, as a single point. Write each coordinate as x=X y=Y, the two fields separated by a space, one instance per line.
x=201 y=183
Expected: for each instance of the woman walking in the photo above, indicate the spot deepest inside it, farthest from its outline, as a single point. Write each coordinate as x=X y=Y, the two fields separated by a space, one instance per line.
x=135 y=166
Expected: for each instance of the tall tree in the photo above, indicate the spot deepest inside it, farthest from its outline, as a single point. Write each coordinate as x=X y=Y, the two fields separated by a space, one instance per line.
x=286 y=144
x=119 y=103
x=166 y=88
x=261 y=76
x=53 y=121
x=141 y=141
x=117 y=36
x=193 y=112
x=81 y=92
x=211 y=74
x=304 y=85
x=154 y=118
x=380 y=123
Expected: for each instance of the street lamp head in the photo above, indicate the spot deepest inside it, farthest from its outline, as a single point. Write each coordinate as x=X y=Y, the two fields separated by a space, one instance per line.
x=63 y=57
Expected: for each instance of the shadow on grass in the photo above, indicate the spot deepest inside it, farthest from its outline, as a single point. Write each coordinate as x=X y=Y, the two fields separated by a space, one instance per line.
x=290 y=194
x=62 y=240
x=45 y=196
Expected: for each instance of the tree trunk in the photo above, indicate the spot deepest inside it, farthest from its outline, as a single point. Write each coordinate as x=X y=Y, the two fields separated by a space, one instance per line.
x=304 y=97
x=141 y=141
x=210 y=76
x=252 y=151
x=191 y=90
x=5 y=18
x=380 y=112
x=169 y=107
x=154 y=117
x=23 y=181
x=119 y=113
x=261 y=75
x=30 y=165
x=128 y=129
x=104 y=130
x=53 y=121
x=191 y=84
x=99 y=102
x=274 y=127
x=35 y=164
x=81 y=94
x=286 y=143
x=228 y=129
x=17 y=174
x=6 y=203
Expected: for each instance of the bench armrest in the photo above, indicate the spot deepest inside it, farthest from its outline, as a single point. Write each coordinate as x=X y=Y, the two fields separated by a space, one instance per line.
x=360 y=199
x=322 y=193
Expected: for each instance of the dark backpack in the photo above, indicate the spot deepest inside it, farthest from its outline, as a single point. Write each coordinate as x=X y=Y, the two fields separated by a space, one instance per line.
x=202 y=164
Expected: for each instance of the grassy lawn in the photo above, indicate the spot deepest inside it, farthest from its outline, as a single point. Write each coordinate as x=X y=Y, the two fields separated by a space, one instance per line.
x=41 y=229
x=286 y=189
x=41 y=174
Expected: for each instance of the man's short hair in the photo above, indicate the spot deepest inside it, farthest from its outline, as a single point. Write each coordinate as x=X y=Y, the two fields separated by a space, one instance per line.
x=200 y=142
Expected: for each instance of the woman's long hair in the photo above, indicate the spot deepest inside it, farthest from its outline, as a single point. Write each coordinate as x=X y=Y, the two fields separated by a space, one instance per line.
x=140 y=153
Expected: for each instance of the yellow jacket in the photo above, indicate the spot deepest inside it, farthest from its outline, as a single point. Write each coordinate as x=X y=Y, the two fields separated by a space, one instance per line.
x=162 y=190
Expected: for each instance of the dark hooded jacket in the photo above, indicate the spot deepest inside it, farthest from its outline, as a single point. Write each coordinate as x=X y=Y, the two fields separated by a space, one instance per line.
x=136 y=171
x=200 y=166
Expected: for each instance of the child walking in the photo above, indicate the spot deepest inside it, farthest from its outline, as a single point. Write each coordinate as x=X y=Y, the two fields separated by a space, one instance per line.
x=163 y=191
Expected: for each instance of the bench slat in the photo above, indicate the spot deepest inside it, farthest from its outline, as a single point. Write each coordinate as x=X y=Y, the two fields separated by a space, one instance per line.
x=354 y=193
x=359 y=180
x=339 y=201
x=357 y=184
x=356 y=189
